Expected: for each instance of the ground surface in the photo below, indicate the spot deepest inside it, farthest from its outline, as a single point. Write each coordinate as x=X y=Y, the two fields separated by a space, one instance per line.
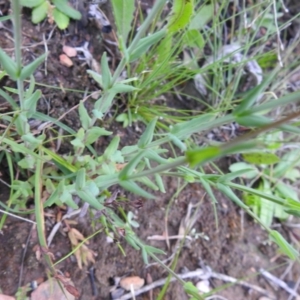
x=237 y=247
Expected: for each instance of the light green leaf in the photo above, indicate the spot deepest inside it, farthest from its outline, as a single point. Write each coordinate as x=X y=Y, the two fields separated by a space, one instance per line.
x=147 y=182
x=31 y=102
x=193 y=38
x=191 y=290
x=62 y=20
x=112 y=147
x=94 y=133
x=250 y=171
x=80 y=179
x=195 y=157
x=259 y=158
x=67 y=9
x=88 y=197
x=85 y=119
x=202 y=17
x=267 y=207
x=123 y=16
x=28 y=70
x=39 y=13
x=123 y=88
x=288 y=161
x=147 y=136
x=181 y=14
x=28 y=162
x=34 y=141
x=129 y=168
x=145 y=43
x=9 y=99
x=9 y=65
x=31 y=3
x=106 y=75
x=185 y=129
x=131 y=186
x=252 y=96
x=285 y=247
x=97 y=77
x=159 y=183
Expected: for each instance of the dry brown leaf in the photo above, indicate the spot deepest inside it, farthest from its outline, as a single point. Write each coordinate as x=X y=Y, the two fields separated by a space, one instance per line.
x=65 y=60
x=51 y=290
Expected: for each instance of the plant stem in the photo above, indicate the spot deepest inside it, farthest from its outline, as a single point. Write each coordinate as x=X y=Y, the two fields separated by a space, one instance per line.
x=175 y=163
x=21 y=119
x=39 y=211
x=18 y=43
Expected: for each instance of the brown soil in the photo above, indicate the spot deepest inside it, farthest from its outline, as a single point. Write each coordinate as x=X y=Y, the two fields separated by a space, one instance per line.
x=238 y=247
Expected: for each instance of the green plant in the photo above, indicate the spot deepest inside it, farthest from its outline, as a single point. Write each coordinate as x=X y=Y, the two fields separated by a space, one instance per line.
x=58 y=11
x=271 y=175
x=55 y=179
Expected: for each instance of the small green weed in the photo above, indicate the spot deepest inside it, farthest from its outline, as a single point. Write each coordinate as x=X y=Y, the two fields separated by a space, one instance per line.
x=55 y=179
x=58 y=11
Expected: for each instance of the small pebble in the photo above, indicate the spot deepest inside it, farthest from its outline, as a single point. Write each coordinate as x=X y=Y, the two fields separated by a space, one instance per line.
x=203 y=286
x=70 y=51
x=65 y=60
x=134 y=281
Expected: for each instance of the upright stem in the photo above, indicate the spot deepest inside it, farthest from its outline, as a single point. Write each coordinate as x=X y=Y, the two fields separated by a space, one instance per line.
x=21 y=120
x=18 y=44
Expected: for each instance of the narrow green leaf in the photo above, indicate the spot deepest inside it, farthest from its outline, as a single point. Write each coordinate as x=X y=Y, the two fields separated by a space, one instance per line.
x=28 y=70
x=106 y=75
x=39 y=13
x=123 y=88
x=240 y=173
x=9 y=65
x=80 y=179
x=61 y=19
x=112 y=147
x=252 y=96
x=85 y=119
x=181 y=14
x=31 y=102
x=145 y=256
x=259 y=158
x=186 y=129
x=97 y=77
x=131 y=241
x=67 y=9
x=250 y=171
x=159 y=183
x=129 y=168
x=151 y=249
x=147 y=136
x=202 y=17
x=124 y=14
x=258 y=121
x=285 y=247
x=9 y=99
x=60 y=160
x=190 y=289
x=131 y=186
x=193 y=38
x=195 y=157
x=90 y=198
x=145 y=43
x=148 y=183
x=92 y=134
x=31 y=3
x=274 y=103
